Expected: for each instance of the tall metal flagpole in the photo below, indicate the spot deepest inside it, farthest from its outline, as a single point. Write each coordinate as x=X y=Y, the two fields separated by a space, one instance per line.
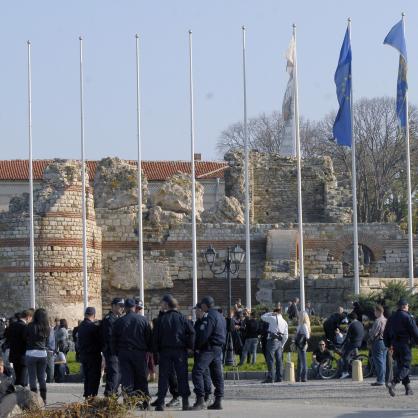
x=31 y=226
x=409 y=188
x=299 y=180
x=83 y=184
x=247 y=183
x=193 y=172
x=139 y=178
x=354 y=184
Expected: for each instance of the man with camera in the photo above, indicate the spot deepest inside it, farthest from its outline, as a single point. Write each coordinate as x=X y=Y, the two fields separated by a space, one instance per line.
x=276 y=339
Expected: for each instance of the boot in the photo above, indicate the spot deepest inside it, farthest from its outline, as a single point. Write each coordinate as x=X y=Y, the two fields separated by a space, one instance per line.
x=408 y=390
x=199 y=404
x=43 y=395
x=174 y=402
x=207 y=397
x=391 y=389
x=217 y=404
x=185 y=404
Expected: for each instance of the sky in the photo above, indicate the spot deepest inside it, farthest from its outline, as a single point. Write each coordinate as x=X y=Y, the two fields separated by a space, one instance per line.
x=109 y=27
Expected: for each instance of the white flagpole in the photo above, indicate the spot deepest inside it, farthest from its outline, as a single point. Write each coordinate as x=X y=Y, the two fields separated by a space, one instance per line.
x=31 y=224
x=139 y=178
x=354 y=185
x=83 y=181
x=247 y=181
x=409 y=188
x=299 y=180
x=193 y=173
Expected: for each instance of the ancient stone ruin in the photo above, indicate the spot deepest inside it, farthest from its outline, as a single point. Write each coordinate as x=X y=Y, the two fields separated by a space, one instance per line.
x=113 y=238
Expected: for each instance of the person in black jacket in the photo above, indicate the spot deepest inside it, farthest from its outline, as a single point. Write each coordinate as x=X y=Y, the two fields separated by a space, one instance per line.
x=39 y=338
x=352 y=342
x=111 y=359
x=208 y=348
x=131 y=339
x=251 y=333
x=400 y=332
x=90 y=347
x=16 y=341
x=173 y=337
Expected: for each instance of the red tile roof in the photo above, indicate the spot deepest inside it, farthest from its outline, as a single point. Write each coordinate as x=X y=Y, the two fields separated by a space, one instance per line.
x=17 y=170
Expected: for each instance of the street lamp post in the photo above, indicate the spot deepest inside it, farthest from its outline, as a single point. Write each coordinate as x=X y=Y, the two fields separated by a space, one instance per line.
x=235 y=256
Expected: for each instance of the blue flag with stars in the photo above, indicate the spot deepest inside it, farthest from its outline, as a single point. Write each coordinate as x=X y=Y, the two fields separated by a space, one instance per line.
x=396 y=38
x=342 y=129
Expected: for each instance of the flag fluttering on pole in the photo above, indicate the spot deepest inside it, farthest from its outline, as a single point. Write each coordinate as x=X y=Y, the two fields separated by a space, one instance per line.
x=342 y=129
x=396 y=38
x=288 y=112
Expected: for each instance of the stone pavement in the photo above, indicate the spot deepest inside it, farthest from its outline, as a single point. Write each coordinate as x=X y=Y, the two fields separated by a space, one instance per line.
x=325 y=399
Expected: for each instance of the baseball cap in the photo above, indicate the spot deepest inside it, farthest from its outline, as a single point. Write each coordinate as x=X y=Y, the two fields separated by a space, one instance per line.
x=403 y=302
x=208 y=301
x=129 y=303
x=90 y=311
x=139 y=303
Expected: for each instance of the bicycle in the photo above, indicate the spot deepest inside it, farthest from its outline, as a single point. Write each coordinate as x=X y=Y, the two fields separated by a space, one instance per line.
x=332 y=368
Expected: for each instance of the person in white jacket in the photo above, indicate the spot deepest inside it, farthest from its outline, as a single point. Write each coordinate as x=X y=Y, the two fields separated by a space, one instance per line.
x=278 y=334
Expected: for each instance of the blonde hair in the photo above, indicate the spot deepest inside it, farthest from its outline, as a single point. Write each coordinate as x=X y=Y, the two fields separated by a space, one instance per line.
x=304 y=319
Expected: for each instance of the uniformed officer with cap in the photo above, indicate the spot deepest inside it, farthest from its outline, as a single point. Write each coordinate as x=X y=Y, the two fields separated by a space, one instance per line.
x=207 y=382
x=400 y=332
x=208 y=348
x=173 y=337
x=90 y=347
x=131 y=339
x=139 y=306
x=111 y=359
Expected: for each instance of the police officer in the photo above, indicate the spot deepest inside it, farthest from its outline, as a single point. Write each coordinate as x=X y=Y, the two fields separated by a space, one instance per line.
x=131 y=339
x=399 y=333
x=173 y=337
x=90 y=347
x=200 y=314
x=112 y=365
x=208 y=348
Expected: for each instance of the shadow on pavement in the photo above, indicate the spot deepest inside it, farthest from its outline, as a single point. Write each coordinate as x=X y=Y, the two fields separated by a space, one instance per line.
x=398 y=413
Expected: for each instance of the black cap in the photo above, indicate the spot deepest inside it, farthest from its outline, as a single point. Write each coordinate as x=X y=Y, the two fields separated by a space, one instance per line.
x=198 y=306
x=208 y=301
x=167 y=298
x=403 y=302
x=129 y=303
x=118 y=301
x=90 y=311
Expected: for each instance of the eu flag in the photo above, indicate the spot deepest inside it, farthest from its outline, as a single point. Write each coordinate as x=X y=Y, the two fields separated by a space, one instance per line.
x=396 y=38
x=342 y=129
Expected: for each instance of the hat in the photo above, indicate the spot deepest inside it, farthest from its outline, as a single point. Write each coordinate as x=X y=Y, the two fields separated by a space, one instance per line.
x=129 y=303
x=90 y=311
x=118 y=301
x=139 y=303
x=198 y=306
x=167 y=298
x=208 y=301
x=403 y=302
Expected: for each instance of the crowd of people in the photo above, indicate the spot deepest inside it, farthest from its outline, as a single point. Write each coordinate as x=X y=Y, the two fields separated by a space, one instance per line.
x=130 y=346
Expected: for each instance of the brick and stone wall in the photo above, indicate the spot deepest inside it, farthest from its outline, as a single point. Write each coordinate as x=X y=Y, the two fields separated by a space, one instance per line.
x=58 y=247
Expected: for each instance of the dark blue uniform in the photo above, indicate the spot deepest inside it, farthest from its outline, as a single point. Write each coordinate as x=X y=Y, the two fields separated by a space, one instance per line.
x=112 y=363
x=90 y=347
x=173 y=336
x=131 y=339
x=207 y=383
x=400 y=332
x=210 y=339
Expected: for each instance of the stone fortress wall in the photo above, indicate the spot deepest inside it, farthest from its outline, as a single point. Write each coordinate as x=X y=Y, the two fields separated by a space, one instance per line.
x=113 y=238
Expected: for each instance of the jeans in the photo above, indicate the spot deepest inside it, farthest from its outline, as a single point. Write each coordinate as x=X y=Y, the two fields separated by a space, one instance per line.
x=302 y=368
x=50 y=367
x=274 y=351
x=349 y=351
x=250 y=347
x=37 y=371
x=379 y=352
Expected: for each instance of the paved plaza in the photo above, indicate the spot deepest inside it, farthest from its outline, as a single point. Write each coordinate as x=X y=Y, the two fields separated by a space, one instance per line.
x=325 y=399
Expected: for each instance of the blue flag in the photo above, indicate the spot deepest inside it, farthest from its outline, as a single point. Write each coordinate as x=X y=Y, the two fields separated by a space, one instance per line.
x=342 y=129
x=396 y=38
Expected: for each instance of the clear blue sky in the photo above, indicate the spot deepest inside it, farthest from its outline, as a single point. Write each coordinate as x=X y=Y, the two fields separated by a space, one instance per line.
x=108 y=27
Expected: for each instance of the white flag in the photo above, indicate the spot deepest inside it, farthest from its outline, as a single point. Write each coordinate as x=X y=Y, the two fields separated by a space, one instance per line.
x=288 y=146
